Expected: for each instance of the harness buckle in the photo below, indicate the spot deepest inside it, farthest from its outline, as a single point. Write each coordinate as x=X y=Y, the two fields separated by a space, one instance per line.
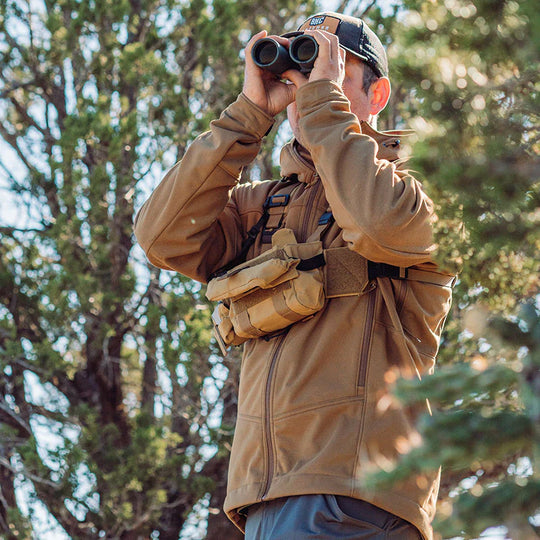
x=281 y=199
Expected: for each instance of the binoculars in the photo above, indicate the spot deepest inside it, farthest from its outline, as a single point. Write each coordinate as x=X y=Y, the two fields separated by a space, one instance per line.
x=270 y=55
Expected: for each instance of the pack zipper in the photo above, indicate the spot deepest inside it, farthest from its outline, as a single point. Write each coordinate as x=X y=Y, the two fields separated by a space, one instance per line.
x=269 y=447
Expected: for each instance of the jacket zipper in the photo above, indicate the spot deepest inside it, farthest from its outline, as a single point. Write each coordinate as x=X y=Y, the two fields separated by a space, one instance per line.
x=368 y=333
x=269 y=447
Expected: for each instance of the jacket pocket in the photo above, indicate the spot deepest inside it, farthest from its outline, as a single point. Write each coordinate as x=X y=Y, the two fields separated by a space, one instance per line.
x=247 y=462
x=319 y=442
x=423 y=313
x=413 y=333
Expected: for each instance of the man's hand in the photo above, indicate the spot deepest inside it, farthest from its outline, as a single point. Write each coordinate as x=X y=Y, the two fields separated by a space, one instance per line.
x=267 y=91
x=330 y=62
x=273 y=94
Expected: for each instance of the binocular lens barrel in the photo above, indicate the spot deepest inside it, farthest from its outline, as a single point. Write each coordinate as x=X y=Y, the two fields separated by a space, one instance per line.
x=304 y=49
x=267 y=52
x=270 y=55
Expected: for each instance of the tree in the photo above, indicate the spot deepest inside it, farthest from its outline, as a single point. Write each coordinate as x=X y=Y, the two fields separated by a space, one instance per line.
x=471 y=74
x=116 y=411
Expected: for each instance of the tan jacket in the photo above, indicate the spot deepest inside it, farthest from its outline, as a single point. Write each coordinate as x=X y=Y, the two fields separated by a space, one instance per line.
x=315 y=414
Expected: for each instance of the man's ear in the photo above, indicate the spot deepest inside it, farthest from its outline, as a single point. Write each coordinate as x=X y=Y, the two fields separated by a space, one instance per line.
x=378 y=94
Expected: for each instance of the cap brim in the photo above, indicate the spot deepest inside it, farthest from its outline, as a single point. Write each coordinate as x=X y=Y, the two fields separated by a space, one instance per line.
x=364 y=59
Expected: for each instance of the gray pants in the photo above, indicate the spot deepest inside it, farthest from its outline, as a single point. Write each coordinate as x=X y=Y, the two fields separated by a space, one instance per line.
x=323 y=517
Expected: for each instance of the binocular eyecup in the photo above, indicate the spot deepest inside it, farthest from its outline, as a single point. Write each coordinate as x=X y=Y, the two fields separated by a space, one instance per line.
x=270 y=55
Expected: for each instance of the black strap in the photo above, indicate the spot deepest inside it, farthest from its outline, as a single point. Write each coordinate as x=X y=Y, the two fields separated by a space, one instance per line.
x=376 y=270
x=313 y=262
x=246 y=245
x=274 y=200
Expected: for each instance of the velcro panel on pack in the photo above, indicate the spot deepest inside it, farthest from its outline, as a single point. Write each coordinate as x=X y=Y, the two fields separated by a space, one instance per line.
x=346 y=273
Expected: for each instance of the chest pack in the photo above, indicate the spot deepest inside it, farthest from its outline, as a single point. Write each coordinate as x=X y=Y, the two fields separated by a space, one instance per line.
x=291 y=281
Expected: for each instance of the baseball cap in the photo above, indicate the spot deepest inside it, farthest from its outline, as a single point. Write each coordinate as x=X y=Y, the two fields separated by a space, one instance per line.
x=354 y=36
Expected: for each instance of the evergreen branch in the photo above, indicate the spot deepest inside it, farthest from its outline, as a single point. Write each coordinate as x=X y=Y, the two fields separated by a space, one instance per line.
x=27 y=21
x=10 y=417
x=143 y=174
x=10 y=39
x=52 y=415
x=30 y=476
x=504 y=503
x=138 y=35
x=11 y=230
x=47 y=135
x=22 y=362
x=9 y=89
x=149 y=378
x=366 y=10
x=13 y=141
x=14 y=183
x=48 y=493
x=58 y=379
x=172 y=517
x=8 y=501
x=54 y=94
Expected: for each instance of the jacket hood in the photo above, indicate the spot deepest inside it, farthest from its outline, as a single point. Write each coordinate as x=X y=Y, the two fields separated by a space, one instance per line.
x=295 y=159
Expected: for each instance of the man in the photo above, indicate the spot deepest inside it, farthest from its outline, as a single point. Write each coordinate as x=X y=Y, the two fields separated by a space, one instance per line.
x=315 y=413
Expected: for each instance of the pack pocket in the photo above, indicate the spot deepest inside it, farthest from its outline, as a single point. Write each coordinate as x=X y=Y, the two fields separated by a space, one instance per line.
x=264 y=274
x=270 y=292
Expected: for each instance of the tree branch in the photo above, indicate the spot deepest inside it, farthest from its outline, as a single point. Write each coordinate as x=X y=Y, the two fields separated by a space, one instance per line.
x=10 y=417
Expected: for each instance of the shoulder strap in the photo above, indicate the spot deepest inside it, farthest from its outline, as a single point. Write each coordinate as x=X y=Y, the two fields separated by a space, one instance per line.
x=341 y=280
x=325 y=222
x=274 y=201
x=276 y=207
x=347 y=272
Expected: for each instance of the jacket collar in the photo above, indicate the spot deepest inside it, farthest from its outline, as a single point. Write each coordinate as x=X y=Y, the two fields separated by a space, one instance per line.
x=295 y=159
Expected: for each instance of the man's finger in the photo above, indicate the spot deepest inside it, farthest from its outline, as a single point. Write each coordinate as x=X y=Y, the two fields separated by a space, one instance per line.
x=253 y=39
x=298 y=79
x=323 y=42
x=328 y=44
x=283 y=41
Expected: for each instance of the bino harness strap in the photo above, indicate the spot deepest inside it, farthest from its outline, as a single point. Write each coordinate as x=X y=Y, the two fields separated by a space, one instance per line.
x=291 y=281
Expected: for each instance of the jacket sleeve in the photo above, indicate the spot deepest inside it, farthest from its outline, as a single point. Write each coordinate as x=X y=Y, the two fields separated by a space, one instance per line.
x=384 y=213
x=189 y=224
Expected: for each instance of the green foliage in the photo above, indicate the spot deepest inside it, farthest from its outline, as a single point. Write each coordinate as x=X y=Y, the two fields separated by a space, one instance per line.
x=484 y=432
x=473 y=68
x=111 y=394
x=470 y=73
x=115 y=360
x=477 y=510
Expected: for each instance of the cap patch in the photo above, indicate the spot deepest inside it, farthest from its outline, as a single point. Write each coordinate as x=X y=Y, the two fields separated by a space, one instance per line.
x=321 y=22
